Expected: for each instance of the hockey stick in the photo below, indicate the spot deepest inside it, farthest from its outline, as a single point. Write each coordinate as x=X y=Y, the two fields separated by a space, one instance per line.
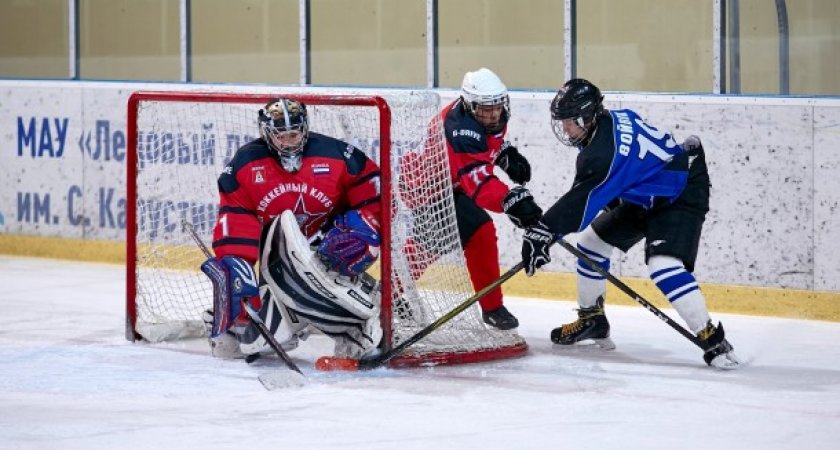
x=372 y=363
x=629 y=291
x=254 y=315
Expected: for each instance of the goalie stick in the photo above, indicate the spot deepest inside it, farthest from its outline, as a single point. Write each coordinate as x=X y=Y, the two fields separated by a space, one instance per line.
x=630 y=292
x=326 y=363
x=254 y=315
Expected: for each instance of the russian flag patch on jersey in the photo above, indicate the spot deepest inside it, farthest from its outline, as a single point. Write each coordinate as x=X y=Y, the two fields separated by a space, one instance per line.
x=321 y=169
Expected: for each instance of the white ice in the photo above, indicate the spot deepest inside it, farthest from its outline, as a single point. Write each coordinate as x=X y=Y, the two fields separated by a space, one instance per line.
x=70 y=380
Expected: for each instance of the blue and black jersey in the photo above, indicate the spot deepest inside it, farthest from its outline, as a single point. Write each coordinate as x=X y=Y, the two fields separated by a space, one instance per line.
x=626 y=160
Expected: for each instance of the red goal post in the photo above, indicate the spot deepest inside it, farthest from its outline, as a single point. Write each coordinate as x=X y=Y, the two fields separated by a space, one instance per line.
x=178 y=144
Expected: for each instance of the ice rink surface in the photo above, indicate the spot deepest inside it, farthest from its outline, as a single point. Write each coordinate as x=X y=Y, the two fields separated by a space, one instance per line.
x=70 y=380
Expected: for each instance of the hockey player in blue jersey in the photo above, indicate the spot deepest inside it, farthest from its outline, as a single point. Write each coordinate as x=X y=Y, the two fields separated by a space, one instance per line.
x=632 y=181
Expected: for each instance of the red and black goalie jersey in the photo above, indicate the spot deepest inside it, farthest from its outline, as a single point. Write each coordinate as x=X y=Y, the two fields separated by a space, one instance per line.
x=335 y=177
x=472 y=153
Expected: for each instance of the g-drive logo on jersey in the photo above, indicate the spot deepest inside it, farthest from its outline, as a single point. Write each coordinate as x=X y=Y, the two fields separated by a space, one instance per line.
x=468 y=133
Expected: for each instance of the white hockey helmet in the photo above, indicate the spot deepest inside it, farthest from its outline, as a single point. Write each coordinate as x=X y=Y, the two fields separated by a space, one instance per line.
x=485 y=88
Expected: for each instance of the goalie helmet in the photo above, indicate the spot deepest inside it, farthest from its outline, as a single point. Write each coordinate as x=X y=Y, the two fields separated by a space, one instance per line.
x=483 y=92
x=285 y=128
x=573 y=111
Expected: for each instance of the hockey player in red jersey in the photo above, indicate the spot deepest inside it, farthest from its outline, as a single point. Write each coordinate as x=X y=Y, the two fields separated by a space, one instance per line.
x=475 y=125
x=313 y=183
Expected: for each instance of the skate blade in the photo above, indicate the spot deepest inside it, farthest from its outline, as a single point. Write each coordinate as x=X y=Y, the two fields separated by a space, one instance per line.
x=602 y=344
x=726 y=361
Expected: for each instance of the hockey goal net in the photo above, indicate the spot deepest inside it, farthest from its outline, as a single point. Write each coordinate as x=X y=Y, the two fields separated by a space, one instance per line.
x=180 y=142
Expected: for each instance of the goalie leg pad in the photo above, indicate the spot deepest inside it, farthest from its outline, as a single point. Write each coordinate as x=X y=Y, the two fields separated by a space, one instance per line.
x=354 y=341
x=298 y=279
x=286 y=327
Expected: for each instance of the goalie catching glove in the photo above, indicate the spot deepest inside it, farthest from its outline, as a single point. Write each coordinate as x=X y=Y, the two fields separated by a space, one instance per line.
x=352 y=245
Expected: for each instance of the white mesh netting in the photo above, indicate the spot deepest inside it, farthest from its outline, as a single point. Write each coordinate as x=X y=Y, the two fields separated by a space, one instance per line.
x=183 y=145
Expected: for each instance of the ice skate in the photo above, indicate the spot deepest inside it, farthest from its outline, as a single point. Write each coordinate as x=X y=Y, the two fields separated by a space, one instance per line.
x=719 y=353
x=500 y=318
x=591 y=325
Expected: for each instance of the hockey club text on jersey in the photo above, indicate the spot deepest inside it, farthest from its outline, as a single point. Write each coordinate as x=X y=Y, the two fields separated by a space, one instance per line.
x=301 y=188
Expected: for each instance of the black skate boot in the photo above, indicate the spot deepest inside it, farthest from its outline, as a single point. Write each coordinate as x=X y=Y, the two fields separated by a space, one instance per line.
x=500 y=318
x=718 y=351
x=591 y=324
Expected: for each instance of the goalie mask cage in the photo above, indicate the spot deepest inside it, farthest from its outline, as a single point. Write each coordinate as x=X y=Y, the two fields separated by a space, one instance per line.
x=179 y=143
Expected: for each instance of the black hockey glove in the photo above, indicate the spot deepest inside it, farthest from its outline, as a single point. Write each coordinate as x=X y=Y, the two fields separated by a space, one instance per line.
x=536 y=244
x=520 y=207
x=514 y=164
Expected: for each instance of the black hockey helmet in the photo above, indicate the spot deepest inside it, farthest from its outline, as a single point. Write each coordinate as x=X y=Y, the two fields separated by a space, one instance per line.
x=284 y=125
x=581 y=101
